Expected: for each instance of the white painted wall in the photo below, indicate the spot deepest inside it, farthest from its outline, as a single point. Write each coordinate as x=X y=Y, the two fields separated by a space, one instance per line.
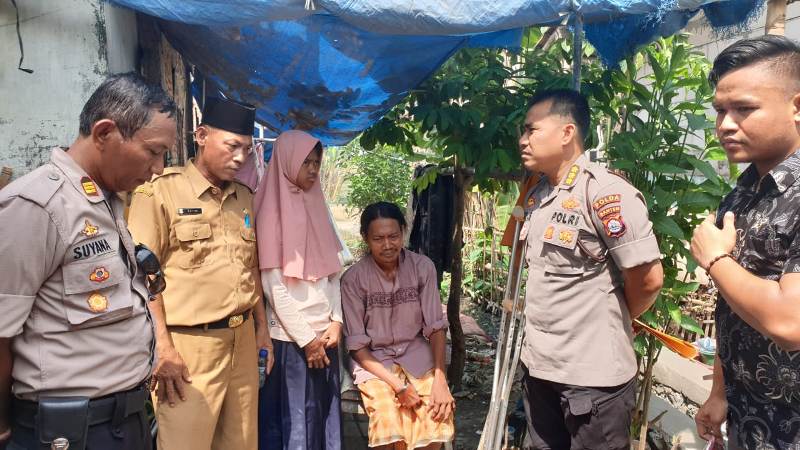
x=71 y=45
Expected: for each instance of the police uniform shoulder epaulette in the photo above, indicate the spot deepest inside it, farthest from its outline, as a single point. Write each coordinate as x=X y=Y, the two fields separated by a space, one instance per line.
x=40 y=187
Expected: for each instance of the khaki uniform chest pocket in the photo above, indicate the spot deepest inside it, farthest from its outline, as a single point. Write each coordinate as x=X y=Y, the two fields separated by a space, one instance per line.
x=96 y=292
x=194 y=240
x=246 y=247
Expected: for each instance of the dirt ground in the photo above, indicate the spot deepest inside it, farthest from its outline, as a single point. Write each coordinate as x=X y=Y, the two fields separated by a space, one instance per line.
x=472 y=403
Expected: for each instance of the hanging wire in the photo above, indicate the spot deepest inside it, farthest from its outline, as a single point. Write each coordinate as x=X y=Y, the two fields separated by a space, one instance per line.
x=19 y=37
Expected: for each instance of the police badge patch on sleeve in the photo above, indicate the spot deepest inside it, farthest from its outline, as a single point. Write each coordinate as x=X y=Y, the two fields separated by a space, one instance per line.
x=609 y=210
x=614 y=226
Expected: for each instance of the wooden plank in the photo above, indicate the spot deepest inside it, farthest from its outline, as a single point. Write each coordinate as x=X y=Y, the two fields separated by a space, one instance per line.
x=160 y=63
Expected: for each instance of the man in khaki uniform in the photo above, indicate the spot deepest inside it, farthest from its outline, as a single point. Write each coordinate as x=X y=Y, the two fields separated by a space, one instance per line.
x=200 y=223
x=594 y=264
x=75 y=324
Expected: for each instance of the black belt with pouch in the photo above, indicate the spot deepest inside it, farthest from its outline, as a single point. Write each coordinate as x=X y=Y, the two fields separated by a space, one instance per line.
x=63 y=422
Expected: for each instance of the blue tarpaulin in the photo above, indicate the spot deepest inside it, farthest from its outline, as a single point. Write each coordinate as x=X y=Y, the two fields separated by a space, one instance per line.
x=335 y=70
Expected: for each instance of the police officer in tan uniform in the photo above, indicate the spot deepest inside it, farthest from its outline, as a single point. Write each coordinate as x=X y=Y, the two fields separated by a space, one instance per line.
x=594 y=264
x=201 y=225
x=75 y=324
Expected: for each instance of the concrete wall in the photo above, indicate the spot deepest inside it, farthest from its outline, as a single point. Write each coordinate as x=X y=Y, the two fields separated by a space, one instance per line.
x=70 y=45
x=703 y=38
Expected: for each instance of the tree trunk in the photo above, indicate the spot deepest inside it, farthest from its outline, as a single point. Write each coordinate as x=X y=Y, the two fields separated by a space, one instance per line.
x=645 y=390
x=776 y=17
x=462 y=182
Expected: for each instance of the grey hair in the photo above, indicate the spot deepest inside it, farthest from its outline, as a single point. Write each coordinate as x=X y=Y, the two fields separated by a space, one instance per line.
x=128 y=100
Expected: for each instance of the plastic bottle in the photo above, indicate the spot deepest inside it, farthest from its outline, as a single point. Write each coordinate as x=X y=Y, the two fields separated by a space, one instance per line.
x=262 y=366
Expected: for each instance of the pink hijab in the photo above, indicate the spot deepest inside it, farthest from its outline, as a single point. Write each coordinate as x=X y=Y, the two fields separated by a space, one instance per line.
x=294 y=231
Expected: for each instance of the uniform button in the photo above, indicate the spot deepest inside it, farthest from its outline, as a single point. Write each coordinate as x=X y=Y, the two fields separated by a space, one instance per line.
x=195 y=233
x=53 y=176
x=215 y=191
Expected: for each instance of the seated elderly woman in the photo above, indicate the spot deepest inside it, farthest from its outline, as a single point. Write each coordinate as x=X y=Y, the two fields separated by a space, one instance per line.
x=395 y=331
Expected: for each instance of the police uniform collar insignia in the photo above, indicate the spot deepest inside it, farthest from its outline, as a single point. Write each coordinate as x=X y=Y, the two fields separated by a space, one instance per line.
x=89 y=230
x=97 y=302
x=89 y=187
x=572 y=175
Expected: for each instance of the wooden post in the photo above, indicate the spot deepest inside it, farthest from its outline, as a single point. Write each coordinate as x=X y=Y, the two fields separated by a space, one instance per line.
x=776 y=17
x=161 y=64
x=490 y=226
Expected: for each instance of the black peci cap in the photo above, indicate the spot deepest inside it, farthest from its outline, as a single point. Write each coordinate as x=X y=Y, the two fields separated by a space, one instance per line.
x=229 y=115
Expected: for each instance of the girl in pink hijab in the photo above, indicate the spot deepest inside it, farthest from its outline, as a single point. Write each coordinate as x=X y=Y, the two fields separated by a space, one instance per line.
x=298 y=249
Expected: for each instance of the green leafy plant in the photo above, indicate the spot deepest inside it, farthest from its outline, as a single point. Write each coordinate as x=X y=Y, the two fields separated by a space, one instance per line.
x=659 y=133
x=378 y=175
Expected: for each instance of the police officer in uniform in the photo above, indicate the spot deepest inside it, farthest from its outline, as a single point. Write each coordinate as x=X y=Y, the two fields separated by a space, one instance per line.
x=594 y=265
x=76 y=338
x=210 y=322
